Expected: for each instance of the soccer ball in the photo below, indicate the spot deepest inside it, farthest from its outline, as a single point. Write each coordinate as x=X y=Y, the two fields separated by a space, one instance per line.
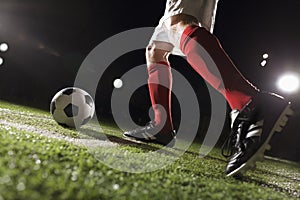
x=72 y=107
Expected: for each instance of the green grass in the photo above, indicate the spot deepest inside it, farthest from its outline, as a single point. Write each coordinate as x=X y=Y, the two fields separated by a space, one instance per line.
x=35 y=165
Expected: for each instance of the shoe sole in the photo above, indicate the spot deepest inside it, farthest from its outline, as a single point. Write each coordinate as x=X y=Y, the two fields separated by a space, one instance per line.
x=132 y=139
x=259 y=155
x=145 y=141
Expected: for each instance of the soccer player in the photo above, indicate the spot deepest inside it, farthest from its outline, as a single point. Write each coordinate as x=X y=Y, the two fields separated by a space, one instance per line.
x=186 y=29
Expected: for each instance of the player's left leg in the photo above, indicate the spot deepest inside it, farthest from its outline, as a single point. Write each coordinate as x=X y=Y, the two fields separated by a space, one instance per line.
x=260 y=114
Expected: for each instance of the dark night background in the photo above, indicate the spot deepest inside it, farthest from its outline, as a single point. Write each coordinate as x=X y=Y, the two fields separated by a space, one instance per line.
x=48 y=41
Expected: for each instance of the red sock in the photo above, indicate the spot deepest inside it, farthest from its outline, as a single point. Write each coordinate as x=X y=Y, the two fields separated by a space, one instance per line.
x=160 y=84
x=205 y=54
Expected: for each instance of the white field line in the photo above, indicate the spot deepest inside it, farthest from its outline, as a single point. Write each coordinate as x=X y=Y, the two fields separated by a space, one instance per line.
x=90 y=143
x=25 y=114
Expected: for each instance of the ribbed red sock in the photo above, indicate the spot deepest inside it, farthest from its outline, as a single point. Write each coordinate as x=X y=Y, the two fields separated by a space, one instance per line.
x=205 y=54
x=160 y=84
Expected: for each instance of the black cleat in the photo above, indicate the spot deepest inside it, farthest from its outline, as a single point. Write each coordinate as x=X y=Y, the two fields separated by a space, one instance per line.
x=252 y=130
x=150 y=133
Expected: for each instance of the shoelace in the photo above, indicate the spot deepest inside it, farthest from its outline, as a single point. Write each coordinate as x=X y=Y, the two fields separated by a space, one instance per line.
x=228 y=147
x=234 y=140
x=229 y=143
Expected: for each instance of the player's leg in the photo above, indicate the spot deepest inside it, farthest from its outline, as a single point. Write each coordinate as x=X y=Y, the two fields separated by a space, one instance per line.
x=160 y=130
x=205 y=54
x=160 y=84
x=260 y=114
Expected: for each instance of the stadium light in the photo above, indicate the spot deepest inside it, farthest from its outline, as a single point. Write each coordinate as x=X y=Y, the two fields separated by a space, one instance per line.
x=288 y=83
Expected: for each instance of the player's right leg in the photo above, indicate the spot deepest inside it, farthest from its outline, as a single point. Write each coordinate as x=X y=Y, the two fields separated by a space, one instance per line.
x=160 y=129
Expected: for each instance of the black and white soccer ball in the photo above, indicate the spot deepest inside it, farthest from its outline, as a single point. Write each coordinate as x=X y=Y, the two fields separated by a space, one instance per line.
x=72 y=107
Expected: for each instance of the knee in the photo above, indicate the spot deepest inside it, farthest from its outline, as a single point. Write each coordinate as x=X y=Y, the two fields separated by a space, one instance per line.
x=155 y=54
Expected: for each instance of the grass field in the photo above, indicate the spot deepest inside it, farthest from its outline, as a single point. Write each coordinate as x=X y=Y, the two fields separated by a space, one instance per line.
x=42 y=160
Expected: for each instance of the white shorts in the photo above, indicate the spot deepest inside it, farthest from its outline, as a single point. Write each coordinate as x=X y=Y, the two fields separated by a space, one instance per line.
x=203 y=10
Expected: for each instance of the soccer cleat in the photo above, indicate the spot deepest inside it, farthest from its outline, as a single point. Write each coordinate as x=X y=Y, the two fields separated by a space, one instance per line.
x=150 y=133
x=252 y=129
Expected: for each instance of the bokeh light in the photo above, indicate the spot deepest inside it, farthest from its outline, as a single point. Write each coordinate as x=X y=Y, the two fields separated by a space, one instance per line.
x=118 y=83
x=3 y=47
x=263 y=63
x=265 y=56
